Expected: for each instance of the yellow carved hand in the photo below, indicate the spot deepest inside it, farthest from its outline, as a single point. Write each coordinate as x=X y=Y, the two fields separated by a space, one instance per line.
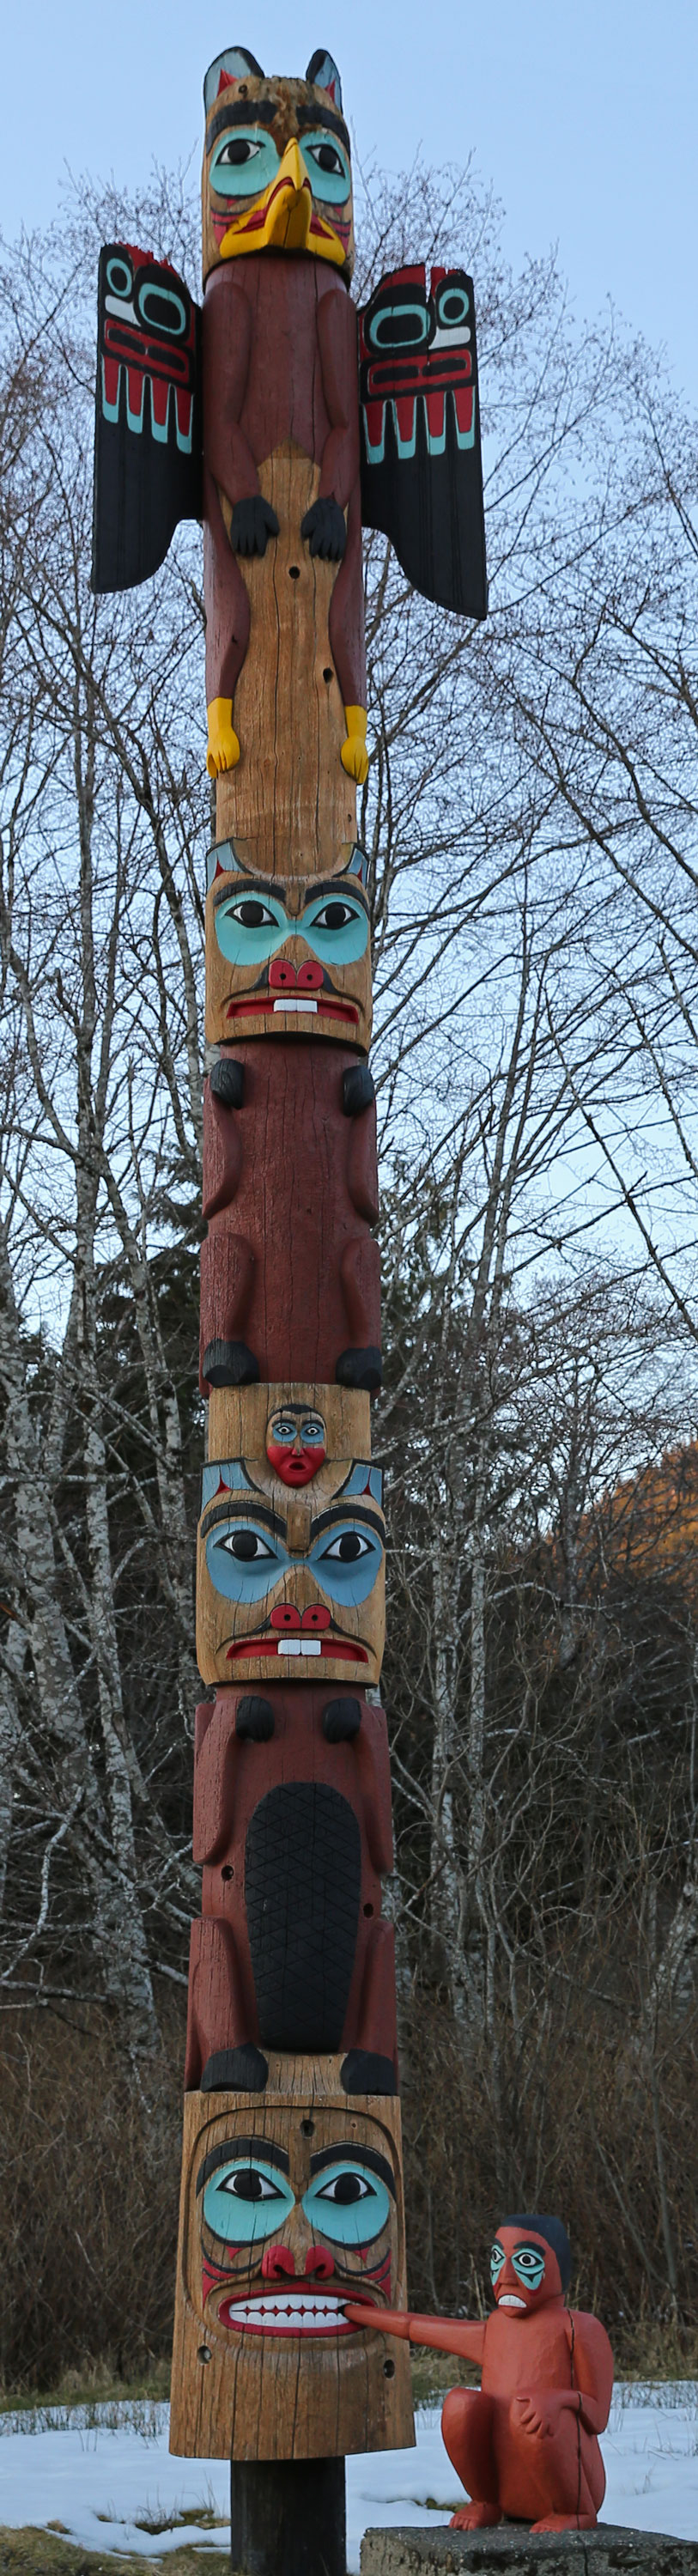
x=223 y=746
x=353 y=754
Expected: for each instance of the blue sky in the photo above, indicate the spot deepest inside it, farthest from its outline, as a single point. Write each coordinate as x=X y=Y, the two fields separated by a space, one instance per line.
x=584 y=118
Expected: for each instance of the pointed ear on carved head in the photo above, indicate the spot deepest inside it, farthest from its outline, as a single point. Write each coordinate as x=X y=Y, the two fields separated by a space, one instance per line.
x=323 y=73
x=229 y=68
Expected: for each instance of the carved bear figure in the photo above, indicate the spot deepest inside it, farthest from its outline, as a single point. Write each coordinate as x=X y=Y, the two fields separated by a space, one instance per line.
x=292 y=1824
x=290 y=1274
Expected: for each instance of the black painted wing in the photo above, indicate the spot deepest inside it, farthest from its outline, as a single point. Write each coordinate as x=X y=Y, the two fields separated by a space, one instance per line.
x=148 y=424
x=421 y=467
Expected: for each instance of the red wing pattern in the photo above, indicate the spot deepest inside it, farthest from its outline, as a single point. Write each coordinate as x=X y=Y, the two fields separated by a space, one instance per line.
x=421 y=470
x=148 y=426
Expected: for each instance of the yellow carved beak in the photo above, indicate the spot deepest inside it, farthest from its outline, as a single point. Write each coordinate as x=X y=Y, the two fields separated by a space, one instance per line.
x=280 y=220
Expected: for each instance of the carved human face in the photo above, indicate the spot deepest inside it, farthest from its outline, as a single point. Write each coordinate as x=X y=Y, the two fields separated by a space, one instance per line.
x=292 y=2201
x=296 y=1443
x=524 y=2271
x=277 y=171
x=287 y=956
x=294 y=2217
x=291 y=1584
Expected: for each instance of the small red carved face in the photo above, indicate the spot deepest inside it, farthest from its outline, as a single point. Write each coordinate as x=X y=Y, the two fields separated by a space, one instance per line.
x=524 y=2271
x=296 y=1443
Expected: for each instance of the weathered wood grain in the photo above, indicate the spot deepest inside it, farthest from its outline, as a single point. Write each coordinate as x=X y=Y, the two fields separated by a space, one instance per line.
x=288 y=799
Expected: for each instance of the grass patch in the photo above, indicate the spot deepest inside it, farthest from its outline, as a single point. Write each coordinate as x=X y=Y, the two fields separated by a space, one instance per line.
x=97 y=2384
x=43 y=2553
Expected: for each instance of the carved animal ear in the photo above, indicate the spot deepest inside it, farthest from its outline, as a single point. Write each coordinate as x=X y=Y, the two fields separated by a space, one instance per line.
x=324 y=75
x=227 y=69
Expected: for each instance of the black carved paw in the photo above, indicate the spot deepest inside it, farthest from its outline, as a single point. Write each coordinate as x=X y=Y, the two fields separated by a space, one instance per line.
x=230 y=1364
x=362 y=2072
x=252 y=524
x=235 y=2070
x=228 y=1081
x=341 y=1720
x=360 y=1368
x=325 y=530
x=254 y=1719
x=358 y=1090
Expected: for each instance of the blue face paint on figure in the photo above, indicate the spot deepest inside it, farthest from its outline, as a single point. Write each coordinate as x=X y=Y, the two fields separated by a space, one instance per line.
x=250 y=927
x=247 y=1559
x=248 y=2200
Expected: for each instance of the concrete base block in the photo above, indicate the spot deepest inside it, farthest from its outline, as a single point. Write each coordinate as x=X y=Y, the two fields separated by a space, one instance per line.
x=513 y=2550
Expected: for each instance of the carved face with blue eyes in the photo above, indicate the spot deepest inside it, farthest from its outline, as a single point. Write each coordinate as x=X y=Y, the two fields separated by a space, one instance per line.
x=287 y=956
x=524 y=2270
x=292 y=2220
x=291 y=1582
x=277 y=167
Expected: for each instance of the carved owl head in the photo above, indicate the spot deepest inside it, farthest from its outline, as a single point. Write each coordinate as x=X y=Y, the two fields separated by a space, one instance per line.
x=277 y=169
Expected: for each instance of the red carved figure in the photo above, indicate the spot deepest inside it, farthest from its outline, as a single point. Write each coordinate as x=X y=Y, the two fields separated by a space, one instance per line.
x=292 y=1824
x=525 y=2443
x=290 y=1273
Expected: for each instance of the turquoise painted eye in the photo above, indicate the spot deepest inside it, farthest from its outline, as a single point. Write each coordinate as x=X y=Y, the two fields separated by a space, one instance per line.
x=243 y=1561
x=243 y=2201
x=347 y=2203
x=161 y=309
x=245 y=162
x=336 y=929
x=327 y=167
x=346 y=1562
x=398 y=326
x=249 y=927
x=529 y=2265
x=496 y=2260
x=119 y=277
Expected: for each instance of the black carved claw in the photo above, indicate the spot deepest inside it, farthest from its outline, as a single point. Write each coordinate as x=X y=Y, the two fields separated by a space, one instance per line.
x=253 y=523
x=325 y=530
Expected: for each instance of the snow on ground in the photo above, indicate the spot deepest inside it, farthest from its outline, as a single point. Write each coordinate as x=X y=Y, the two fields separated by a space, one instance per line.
x=103 y=2475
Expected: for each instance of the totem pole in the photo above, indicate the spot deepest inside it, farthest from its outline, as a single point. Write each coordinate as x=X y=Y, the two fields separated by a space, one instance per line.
x=287 y=421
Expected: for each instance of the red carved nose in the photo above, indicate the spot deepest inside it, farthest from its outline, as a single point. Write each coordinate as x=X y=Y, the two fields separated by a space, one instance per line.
x=287 y=1616
x=320 y=2262
x=284 y=977
x=278 y=2263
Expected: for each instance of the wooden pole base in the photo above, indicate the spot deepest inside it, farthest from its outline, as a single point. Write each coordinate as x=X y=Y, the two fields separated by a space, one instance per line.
x=287 y=2518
